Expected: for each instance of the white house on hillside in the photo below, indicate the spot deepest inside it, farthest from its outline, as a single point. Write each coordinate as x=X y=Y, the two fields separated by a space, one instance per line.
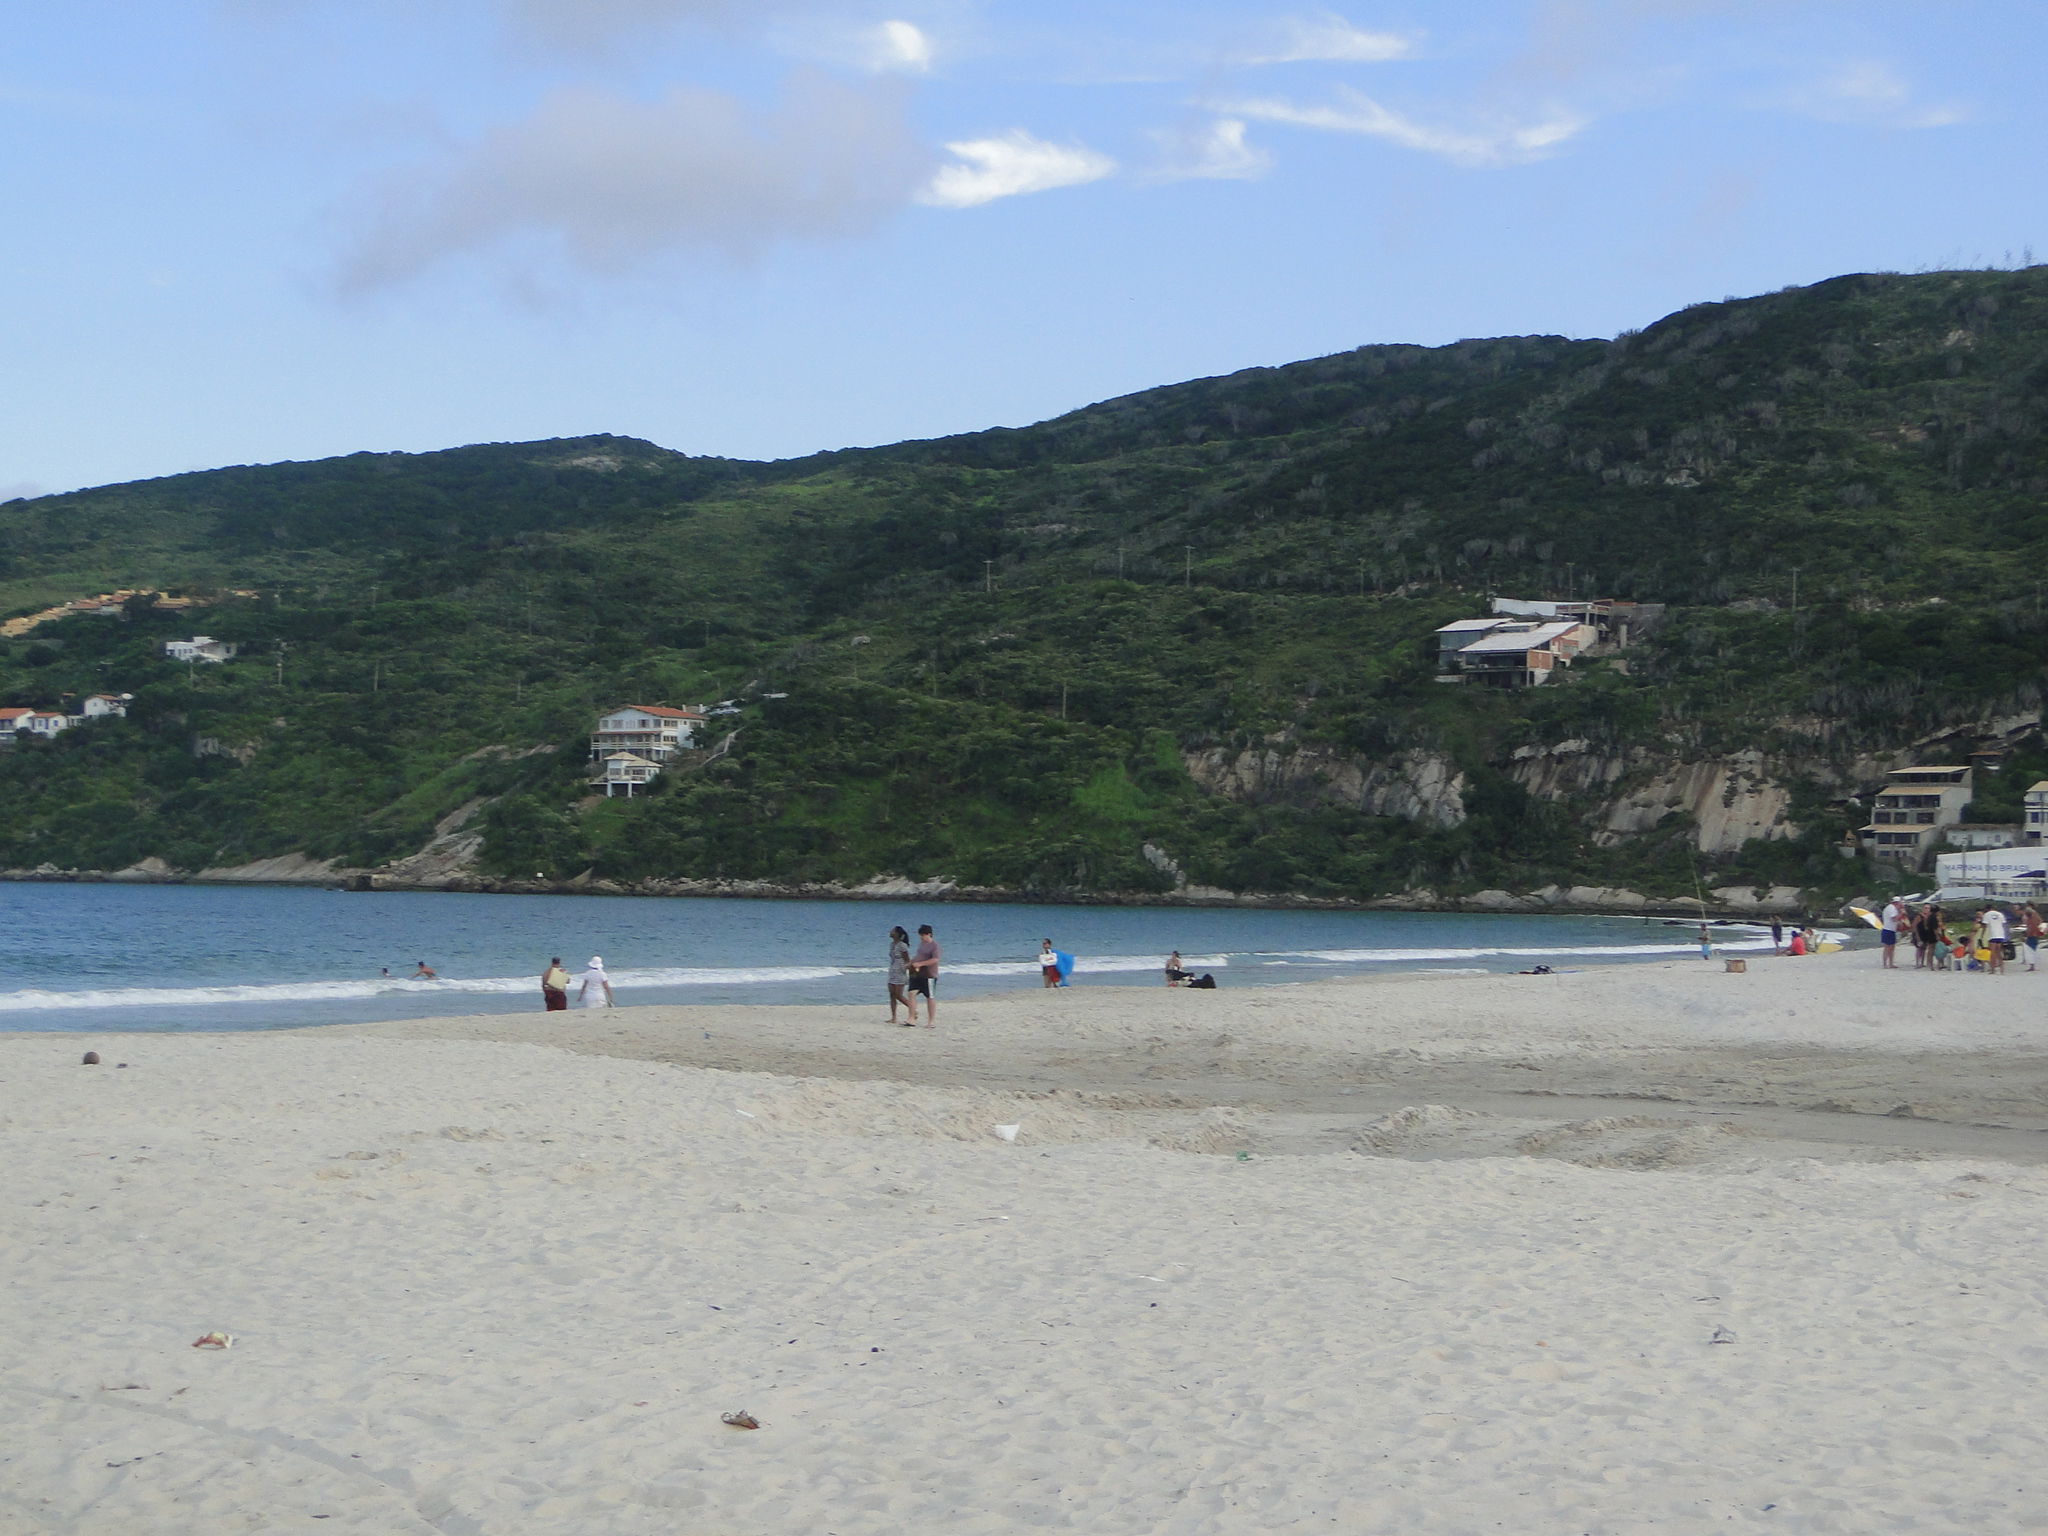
x=625 y=772
x=655 y=732
x=99 y=705
x=200 y=648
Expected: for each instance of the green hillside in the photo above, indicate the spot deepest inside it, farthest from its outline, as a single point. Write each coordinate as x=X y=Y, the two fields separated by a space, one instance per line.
x=1196 y=618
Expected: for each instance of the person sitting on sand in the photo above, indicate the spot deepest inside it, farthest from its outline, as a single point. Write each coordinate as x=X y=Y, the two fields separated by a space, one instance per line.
x=425 y=972
x=1798 y=944
x=1176 y=973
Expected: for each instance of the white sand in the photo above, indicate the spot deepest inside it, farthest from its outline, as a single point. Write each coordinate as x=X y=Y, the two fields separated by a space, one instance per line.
x=480 y=1285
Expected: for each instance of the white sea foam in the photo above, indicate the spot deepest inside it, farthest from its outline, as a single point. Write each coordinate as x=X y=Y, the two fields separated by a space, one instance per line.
x=345 y=991
x=39 y=1000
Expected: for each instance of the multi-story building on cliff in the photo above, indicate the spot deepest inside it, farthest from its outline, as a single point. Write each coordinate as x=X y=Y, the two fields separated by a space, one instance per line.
x=1914 y=811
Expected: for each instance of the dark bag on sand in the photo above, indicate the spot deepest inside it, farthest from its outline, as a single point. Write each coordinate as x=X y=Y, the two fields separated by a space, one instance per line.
x=1204 y=981
x=2011 y=949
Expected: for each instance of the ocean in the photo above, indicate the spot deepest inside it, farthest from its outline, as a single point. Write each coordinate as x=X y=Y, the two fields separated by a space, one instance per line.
x=200 y=957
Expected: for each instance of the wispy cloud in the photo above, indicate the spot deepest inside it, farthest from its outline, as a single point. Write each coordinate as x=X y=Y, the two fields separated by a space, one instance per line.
x=1008 y=166
x=1353 y=112
x=1324 y=38
x=1211 y=151
x=1868 y=91
x=900 y=45
x=613 y=184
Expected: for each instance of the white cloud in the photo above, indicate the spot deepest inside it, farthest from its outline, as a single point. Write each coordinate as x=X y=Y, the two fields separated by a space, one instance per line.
x=1357 y=113
x=1324 y=39
x=1212 y=151
x=1868 y=91
x=613 y=183
x=1007 y=166
x=900 y=45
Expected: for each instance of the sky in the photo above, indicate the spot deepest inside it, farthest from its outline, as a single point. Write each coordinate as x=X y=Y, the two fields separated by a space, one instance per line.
x=245 y=231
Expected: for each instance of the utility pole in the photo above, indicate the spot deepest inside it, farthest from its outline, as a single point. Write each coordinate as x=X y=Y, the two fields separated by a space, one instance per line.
x=1119 y=559
x=376 y=676
x=1188 y=573
x=280 y=663
x=988 y=575
x=1361 y=578
x=1063 y=700
x=1795 y=589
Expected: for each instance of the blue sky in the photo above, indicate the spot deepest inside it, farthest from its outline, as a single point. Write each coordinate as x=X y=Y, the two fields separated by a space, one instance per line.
x=240 y=231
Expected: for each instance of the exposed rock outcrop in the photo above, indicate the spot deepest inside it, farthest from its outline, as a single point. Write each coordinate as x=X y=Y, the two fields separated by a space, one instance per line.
x=285 y=869
x=1730 y=800
x=1415 y=786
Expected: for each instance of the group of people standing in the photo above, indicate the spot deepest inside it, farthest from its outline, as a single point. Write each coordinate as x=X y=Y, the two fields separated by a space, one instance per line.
x=914 y=976
x=1984 y=943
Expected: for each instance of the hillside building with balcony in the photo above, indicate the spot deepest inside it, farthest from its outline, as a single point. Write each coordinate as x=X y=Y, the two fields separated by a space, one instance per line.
x=655 y=732
x=1917 y=808
x=1509 y=652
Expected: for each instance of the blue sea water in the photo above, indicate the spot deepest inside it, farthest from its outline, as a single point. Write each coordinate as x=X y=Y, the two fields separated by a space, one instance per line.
x=183 y=957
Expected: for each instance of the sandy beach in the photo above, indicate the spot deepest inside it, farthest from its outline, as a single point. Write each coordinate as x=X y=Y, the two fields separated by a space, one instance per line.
x=1640 y=1249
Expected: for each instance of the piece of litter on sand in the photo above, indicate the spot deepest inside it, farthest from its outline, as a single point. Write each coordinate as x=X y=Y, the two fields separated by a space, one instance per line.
x=740 y=1420
x=92 y=1059
x=1721 y=1336
x=1008 y=1132
x=747 y=1112
x=214 y=1341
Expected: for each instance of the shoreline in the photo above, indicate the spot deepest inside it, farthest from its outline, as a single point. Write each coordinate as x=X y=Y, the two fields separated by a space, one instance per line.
x=1939 y=1065
x=1575 y=901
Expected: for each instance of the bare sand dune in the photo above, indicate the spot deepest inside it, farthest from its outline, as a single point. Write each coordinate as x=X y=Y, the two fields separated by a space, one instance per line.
x=1231 y=1275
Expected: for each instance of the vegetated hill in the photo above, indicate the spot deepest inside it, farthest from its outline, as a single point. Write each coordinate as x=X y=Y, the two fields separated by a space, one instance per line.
x=1195 y=618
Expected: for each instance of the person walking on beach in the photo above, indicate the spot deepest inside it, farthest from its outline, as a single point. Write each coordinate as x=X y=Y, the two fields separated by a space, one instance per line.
x=1706 y=943
x=899 y=976
x=1048 y=963
x=596 y=991
x=2032 y=926
x=1777 y=937
x=554 y=987
x=924 y=976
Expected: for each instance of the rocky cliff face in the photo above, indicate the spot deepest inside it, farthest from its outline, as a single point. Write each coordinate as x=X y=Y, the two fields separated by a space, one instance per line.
x=1415 y=786
x=1730 y=800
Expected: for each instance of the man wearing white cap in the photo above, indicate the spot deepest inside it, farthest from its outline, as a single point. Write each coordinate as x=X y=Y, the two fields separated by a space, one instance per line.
x=596 y=991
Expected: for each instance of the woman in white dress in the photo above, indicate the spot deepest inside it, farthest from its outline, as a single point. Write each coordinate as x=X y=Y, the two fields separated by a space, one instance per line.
x=596 y=991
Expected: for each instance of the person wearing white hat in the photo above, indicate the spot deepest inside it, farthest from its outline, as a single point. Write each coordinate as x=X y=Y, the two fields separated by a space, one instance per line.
x=596 y=991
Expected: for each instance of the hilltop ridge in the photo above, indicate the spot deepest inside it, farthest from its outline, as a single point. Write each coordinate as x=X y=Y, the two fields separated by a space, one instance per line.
x=1193 y=619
